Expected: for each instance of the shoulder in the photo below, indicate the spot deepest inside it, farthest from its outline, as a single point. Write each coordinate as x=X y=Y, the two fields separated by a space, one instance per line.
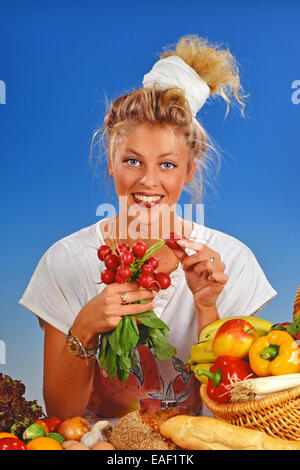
x=73 y=248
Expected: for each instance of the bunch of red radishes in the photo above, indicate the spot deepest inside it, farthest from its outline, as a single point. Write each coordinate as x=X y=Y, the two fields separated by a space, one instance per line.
x=136 y=263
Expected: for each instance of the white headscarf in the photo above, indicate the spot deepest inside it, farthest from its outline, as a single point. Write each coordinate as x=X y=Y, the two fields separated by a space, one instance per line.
x=173 y=71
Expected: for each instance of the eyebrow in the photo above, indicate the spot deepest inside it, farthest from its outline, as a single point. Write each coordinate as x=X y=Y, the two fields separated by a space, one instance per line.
x=139 y=154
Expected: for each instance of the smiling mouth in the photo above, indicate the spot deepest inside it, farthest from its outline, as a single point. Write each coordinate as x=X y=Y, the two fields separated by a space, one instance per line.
x=142 y=198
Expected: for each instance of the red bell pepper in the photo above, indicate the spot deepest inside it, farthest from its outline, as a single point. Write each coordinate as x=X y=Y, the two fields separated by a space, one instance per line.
x=12 y=443
x=225 y=371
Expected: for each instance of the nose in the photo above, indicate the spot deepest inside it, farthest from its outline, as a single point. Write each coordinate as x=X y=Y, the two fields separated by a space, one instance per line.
x=149 y=178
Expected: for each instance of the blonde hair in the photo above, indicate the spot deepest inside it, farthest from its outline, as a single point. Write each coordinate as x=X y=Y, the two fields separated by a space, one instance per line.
x=216 y=66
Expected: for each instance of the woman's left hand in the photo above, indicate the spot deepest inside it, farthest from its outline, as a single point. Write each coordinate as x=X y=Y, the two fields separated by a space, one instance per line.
x=204 y=272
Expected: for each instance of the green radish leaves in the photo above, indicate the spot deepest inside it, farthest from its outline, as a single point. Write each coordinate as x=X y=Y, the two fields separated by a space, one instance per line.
x=116 y=350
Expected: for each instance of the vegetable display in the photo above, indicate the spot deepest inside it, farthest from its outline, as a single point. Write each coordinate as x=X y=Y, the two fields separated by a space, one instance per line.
x=225 y=371
x=117 y=347
x=202 y=352
x=12 y=443
x=75 y=433
x=43 y=443
x=293 y=328
x=33 y=431
x=269 y=355
x=260 y=386
x=234 y=338
x=275 y=354
x=74 y=428
x=16 y=413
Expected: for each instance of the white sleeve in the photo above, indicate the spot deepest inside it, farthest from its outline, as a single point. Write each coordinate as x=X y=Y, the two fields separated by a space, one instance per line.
x=45 y=298
x=247 y=290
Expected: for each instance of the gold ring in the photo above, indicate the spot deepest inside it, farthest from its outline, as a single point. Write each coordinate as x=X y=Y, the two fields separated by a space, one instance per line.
x=123 y=298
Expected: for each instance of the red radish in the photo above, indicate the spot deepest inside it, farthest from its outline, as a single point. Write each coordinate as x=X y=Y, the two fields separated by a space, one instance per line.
x=107 y=276
x=119 y=279
x=111 y=261
x=122 y=247
x=139 y=248
x=126 y=257
x=171 y=241
x=147 y=268
x=124 y=272
x=163 y=280
x=153 y=261
x=146 y=280
x=103 y=251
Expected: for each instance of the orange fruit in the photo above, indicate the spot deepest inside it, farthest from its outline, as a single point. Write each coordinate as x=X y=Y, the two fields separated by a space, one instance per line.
x=6 y=434
x=43 y=443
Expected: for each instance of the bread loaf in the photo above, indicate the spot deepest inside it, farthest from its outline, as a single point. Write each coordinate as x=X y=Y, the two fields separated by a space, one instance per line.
x=203 y=433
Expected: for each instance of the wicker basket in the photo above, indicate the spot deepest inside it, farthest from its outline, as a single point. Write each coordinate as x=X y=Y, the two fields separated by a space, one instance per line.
x=277 y=415
x=296 y=312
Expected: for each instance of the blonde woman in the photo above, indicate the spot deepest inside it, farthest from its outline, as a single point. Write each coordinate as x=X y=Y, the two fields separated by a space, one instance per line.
x=155 y=147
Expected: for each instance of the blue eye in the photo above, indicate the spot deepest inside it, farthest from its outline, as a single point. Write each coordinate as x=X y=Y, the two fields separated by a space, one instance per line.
x=169 y=163
x=132 y=160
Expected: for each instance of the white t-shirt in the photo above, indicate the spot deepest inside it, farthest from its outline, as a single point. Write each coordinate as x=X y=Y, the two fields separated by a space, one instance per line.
x=68 y=276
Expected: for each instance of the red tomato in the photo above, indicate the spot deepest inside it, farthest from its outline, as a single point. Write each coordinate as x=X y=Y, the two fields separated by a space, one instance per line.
x=53 y=423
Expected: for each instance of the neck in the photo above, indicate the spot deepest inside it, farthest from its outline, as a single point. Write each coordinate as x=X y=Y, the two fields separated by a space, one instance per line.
x=130 y=229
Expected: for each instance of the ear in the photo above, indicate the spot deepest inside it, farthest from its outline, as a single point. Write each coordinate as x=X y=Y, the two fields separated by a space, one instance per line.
x=190 y=173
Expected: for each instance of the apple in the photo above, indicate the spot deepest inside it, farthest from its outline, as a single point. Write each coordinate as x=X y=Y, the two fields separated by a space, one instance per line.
x=234 y=338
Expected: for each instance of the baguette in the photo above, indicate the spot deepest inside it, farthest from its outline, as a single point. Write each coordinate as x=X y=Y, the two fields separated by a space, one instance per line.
x=203 y=433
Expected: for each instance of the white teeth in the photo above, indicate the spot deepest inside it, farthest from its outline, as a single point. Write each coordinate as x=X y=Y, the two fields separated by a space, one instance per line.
x=143 y=198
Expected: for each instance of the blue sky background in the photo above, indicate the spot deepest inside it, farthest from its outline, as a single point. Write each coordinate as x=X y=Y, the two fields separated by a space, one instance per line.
x=59 y=59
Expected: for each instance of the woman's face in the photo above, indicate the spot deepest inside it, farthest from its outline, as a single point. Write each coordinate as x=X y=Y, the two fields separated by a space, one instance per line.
x=150 y=167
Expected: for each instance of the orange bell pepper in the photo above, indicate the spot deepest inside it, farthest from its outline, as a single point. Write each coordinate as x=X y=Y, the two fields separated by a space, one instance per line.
x=277 y=353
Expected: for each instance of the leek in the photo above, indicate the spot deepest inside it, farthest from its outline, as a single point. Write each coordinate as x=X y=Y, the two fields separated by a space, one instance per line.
x=253 y=389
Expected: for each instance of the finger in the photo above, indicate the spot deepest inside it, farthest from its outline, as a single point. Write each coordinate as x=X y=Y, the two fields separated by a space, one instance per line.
x=198 y=246
x=211 y=267
x=130 y=309
x=134 y=296
x=198 y=257
x=219 y=278
x=125 y=287
x=190 y=244
x=180 y=253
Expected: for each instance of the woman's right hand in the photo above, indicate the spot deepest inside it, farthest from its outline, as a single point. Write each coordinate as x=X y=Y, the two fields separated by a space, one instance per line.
x=104 y=311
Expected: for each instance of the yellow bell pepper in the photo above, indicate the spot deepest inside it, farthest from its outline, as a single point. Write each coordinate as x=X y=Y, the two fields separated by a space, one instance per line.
x=277 y=353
